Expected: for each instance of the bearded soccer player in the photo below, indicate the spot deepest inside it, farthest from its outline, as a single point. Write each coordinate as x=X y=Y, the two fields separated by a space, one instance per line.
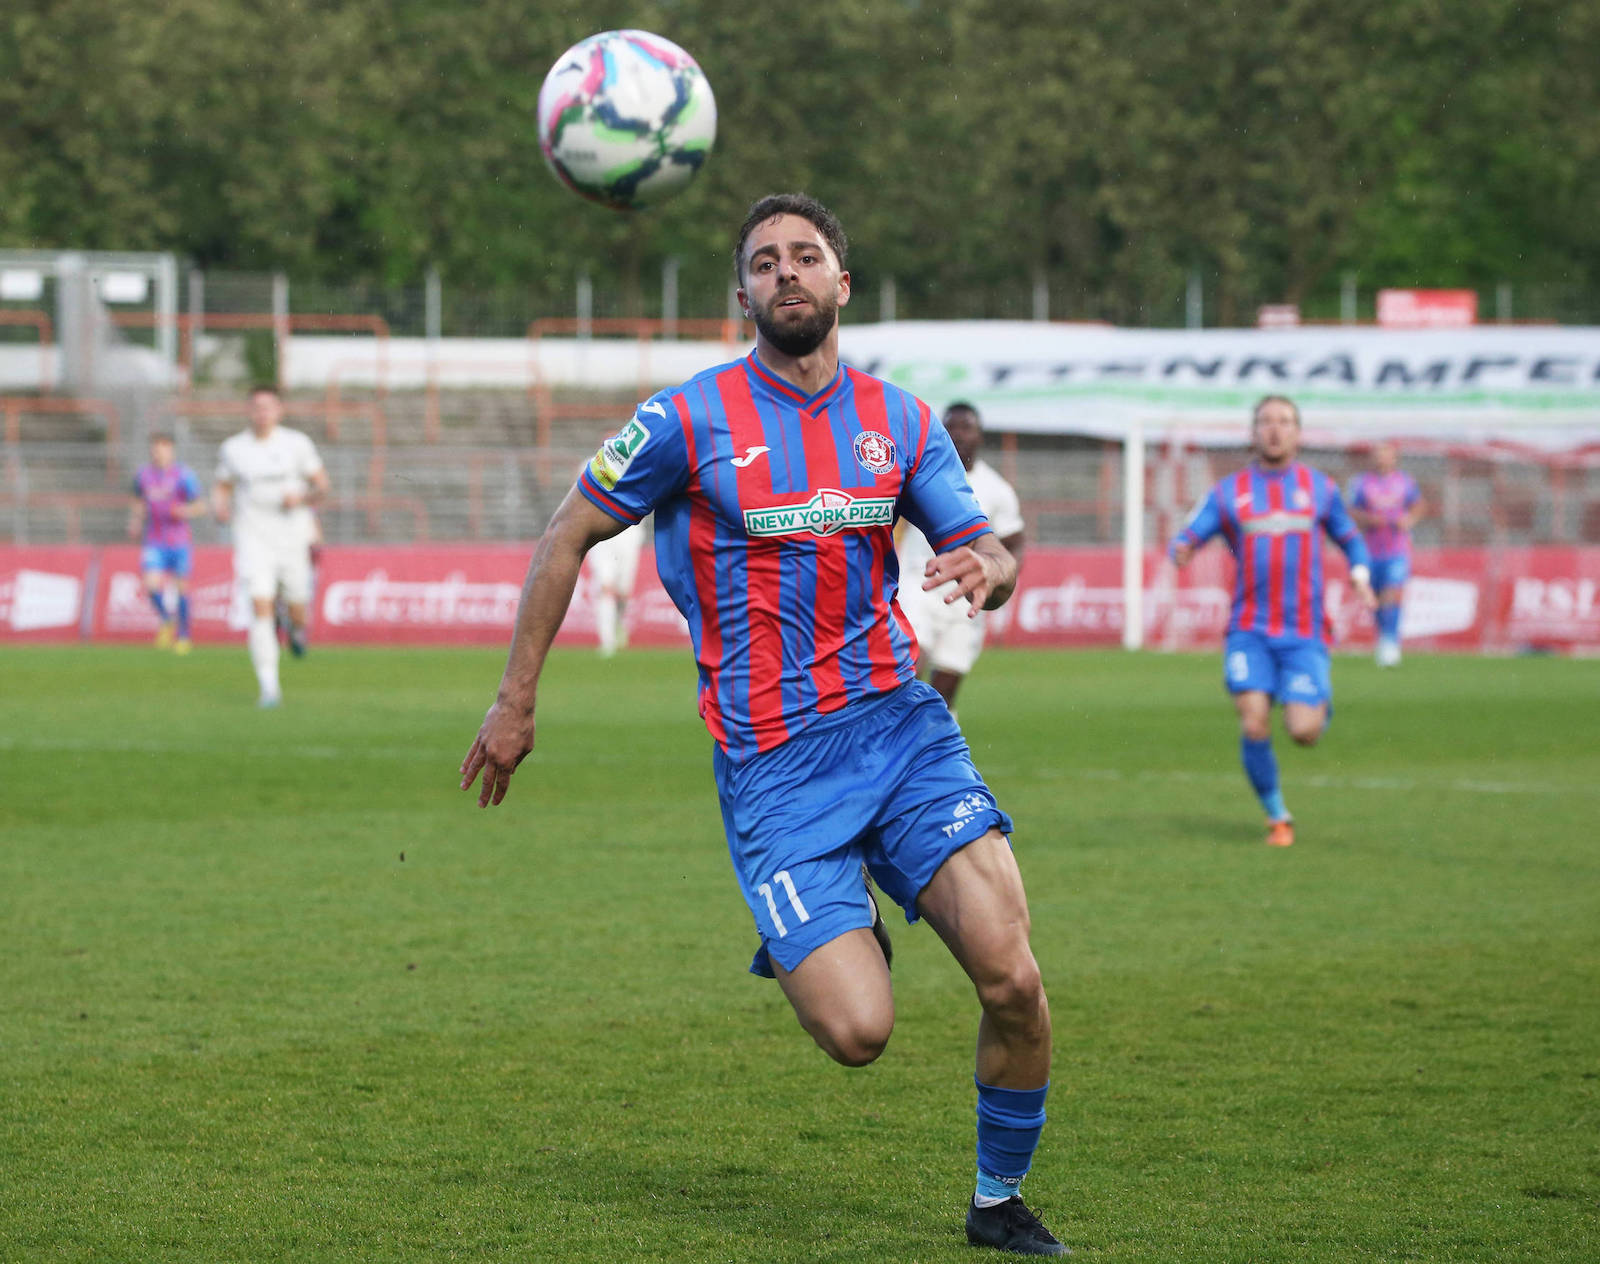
x=1273 y=514
x=1386 y=503
x=776 y=481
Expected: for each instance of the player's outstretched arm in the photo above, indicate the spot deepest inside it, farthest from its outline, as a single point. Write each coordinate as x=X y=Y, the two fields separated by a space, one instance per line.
x=984 y=572
x=506 y=735
x=1204 y=522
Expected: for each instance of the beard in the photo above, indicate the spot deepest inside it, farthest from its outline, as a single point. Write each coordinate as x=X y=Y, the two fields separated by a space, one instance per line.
x=796 y=338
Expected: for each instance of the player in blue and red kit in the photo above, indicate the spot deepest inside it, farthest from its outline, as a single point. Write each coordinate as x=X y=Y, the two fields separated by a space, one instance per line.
x=776 y=481
x=1273 y=513
x=1386 y=503
x=166 y=496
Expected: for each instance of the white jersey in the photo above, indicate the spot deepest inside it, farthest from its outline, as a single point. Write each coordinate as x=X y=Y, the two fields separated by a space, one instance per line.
x=996 y=497
x=262 y=472
x=614 y=562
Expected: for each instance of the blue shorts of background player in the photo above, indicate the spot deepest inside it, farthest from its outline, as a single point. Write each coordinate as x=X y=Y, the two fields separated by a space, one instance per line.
x=1287 y=669
x=176 y=560
x=1390 y=572
x=887 y=782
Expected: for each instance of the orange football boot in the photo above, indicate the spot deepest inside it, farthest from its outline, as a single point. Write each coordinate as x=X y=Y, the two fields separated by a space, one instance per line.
x=1280 y=833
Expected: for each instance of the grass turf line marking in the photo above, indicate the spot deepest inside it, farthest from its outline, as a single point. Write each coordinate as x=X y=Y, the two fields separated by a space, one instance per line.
x=1464 y=785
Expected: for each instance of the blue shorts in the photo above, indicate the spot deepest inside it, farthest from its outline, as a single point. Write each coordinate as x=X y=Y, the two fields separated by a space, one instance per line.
x=1288 y=668
x=176 y=560
x=1390 y=572
x=887 y=782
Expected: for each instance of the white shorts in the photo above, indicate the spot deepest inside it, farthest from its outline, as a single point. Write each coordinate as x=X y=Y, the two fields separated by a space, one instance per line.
x=614 y=563
x=267 y=567
x=949 y=640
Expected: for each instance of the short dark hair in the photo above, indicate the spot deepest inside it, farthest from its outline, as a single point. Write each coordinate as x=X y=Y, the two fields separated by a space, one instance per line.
x=801 y=204
x=962 y=405
x=265 y=388
x=1255 y=413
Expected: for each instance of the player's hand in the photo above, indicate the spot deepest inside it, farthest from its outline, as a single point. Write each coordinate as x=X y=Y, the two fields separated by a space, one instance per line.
x=503 y=742
x=973 y=574
x=1363 y=587
x=1182 y=551
x=292 y=500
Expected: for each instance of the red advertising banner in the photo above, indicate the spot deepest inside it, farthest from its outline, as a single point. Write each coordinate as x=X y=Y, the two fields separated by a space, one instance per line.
x=122 y=610
x=1427 y=309
x=43 y=592
x=1473 y=599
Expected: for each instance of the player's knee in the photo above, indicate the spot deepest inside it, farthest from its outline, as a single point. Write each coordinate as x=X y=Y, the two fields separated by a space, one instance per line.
x=1305 y=732
x=853 y=1041
x=1255 y=728
x=1015 y=997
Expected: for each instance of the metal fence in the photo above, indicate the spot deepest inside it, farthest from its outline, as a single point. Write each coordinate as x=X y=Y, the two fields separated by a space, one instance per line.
x=1071 y=489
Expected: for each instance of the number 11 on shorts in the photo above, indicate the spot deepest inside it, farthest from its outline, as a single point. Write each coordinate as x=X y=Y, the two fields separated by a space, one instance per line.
x=783 y=880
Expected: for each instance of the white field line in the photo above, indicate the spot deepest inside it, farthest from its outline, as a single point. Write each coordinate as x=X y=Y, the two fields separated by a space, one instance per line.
x=140 y=746
x=1401 y=785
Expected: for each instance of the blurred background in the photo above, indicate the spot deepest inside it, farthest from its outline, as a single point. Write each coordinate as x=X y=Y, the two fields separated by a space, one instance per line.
x=348 y=199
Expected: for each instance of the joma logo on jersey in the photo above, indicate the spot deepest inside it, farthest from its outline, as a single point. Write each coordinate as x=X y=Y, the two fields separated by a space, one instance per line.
x=829 y=511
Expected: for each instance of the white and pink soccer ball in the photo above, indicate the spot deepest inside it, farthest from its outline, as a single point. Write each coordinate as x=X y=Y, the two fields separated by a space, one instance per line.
x=626 y=118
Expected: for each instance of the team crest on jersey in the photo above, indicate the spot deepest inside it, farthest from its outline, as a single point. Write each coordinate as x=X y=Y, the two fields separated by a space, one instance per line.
x=616 y=454
x=875 y=452
x=1301 y=499
x=826 y=513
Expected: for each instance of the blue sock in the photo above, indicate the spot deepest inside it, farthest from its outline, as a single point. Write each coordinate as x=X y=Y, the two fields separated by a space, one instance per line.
x=1389 y=622
x=1261 y=766
x=183 y=615
x=1009 y=1123
x=159 y=602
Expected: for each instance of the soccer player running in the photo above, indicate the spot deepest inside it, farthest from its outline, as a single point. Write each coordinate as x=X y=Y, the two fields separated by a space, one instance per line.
x=613 y=567
x=272 y=477
x=1386 y=504
x=166 y=496
x=1272 y=514
x=775 y=481
x=948 y=640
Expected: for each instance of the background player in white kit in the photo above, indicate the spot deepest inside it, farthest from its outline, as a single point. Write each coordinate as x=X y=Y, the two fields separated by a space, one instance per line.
x=613 y=567
x=950 y=635
x=272 y=476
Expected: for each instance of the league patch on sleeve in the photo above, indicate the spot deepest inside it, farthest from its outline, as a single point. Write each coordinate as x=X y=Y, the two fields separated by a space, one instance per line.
x=616 y=454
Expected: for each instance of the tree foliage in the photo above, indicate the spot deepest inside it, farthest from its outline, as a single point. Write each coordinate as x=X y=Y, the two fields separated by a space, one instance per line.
x=1269 y=144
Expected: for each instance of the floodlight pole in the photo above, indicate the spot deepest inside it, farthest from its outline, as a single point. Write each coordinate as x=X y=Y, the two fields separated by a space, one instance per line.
x=1133 y=535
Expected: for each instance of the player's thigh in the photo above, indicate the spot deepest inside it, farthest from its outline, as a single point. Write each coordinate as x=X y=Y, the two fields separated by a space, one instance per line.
x=294 y=573
x=977 y=904
x=1389 y=577
x=255 y=568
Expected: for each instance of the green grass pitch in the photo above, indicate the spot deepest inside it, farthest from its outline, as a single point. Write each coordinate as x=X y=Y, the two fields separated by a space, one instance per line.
x=273 y=989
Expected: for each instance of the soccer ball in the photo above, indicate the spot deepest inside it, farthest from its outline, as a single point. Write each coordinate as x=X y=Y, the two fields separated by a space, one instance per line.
x=626 y=118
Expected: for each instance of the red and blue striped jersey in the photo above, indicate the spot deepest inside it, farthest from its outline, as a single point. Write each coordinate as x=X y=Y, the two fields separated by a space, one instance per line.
x=774 y=520
x=1273 y=521
x=163 y=491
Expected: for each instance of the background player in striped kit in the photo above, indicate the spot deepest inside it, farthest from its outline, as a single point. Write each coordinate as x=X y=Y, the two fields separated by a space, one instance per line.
x=1272 y=513
x=775 y=482
x=166 y=495
x=1386 y=503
